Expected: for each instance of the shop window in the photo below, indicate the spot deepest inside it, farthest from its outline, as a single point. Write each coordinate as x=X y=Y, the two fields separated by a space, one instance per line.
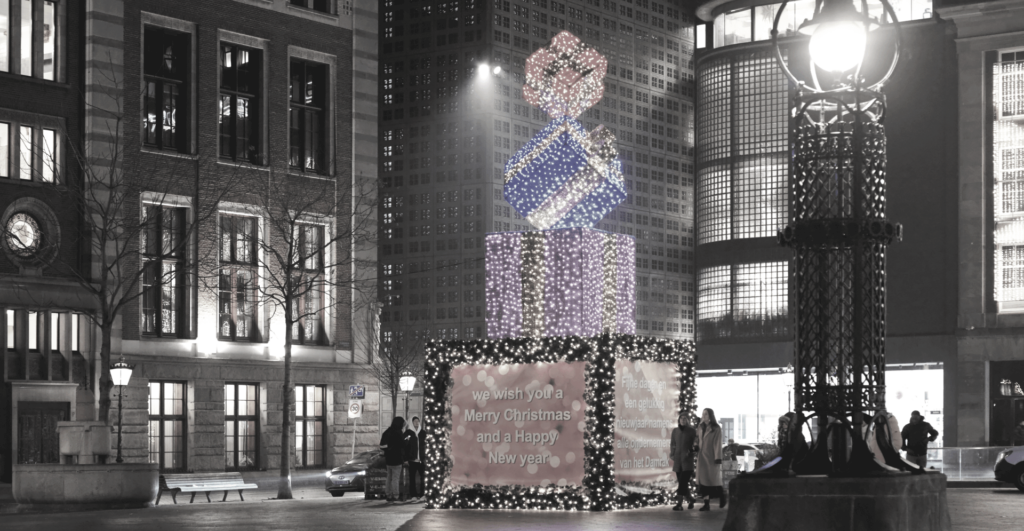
x=307 y=129
x=309 y=304
x=238 y=278
x=163 y=261
x=166 y=66
x=310 y=424
x=241 y=426
x=167 y=425
x=241 y=81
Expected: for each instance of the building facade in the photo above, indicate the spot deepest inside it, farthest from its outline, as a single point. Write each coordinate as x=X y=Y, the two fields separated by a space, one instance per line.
x=453 y=113
x=187 y=106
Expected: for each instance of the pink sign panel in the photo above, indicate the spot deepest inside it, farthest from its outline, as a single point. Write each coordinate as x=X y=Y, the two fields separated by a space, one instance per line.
x=646 y=412
x=518 y=424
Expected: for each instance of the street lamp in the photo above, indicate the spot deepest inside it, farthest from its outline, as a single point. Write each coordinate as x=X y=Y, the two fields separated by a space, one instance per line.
x=839 y=231
x=406 y=383
x=120 y=373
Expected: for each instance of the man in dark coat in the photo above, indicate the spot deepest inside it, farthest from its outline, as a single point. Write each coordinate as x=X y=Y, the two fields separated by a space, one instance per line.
x=916 y=437
x=392 y=443
x=681 y=453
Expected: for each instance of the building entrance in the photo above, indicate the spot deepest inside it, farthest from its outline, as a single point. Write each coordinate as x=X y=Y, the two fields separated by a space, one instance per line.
x=38 y=441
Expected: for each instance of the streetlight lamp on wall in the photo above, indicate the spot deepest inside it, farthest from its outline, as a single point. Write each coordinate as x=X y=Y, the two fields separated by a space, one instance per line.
x=839 y=231
x=120 y=373
x=406 y=383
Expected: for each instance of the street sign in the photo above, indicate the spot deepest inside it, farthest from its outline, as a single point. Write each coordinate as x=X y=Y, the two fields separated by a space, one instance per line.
x=357 y=391
x=355 y=409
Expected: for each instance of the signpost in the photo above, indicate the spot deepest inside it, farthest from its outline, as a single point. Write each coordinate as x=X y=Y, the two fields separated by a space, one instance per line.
x=356 y=394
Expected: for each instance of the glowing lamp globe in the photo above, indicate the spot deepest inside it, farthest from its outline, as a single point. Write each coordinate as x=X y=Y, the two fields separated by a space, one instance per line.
x=406 y=382
x=121 y=372
x=838 y=46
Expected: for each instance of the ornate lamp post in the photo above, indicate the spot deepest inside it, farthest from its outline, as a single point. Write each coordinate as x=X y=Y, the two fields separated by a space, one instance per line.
x=120 y=373
x=406 y=383
x=839 y=232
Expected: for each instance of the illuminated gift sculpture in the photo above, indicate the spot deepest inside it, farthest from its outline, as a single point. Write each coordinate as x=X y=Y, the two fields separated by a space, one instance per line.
x=565 y=177
x=560 y=282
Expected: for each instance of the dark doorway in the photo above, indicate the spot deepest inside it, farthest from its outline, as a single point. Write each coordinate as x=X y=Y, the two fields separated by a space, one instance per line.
x=38 y=441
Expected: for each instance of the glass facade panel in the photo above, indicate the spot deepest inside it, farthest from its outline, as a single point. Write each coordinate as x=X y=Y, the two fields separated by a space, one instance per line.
x=743 y=300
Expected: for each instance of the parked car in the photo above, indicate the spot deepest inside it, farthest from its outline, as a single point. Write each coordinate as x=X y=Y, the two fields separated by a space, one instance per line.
x=351 y=477
x=732 y=451
x=1009 y=466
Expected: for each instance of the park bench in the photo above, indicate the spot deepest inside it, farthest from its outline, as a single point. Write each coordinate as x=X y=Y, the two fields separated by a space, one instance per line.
x=202 y=482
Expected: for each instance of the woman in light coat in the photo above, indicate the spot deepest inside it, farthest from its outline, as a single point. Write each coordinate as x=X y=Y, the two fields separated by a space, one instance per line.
x=709 y=460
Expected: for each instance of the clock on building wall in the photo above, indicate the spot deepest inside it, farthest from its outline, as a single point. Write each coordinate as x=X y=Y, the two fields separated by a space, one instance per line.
x=23 y=235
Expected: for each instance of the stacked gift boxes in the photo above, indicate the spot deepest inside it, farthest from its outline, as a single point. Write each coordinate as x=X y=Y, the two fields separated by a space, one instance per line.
x=576 y=281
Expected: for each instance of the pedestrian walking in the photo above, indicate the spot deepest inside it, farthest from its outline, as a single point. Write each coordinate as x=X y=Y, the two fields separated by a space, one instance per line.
x=412 y=458
x=392 y=444
x=916 y=437
x=709 y=460
x=681 y=452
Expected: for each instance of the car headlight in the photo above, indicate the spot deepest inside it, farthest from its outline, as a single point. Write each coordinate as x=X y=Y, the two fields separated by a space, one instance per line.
x=327 y=474
x=361 y=473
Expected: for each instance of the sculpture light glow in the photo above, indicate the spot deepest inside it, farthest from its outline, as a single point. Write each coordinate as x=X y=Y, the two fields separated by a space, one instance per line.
x=566 y=77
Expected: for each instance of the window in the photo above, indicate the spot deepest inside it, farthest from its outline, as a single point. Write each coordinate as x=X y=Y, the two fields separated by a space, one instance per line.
x=163 y=261
x=166 y=69
x=10 y=330
x=167 y=425
x=34 y=18
x=33 y=331
x=237 y=278
x=307 y=113
x=240 y=81
x=241 y=426
x=308 y=306
x=310 y=416
x=1008 y=180
x=324 y=6
x=31 y=153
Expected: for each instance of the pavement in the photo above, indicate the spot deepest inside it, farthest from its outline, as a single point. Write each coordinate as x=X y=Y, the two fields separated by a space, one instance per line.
x=970 y=509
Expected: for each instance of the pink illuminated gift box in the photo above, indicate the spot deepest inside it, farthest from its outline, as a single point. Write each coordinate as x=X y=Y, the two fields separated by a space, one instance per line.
x=565 y=77
x=575 y=281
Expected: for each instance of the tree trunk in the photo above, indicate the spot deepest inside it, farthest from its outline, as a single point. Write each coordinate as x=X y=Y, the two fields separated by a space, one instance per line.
x=284 y=489
x=394 y=402
x=105 y=383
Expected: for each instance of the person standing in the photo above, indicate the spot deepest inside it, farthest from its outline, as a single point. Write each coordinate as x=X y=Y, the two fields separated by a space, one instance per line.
x=681 y=453
x=916 y=437
x=392 y=444
x=709 y=460
x=413 y=457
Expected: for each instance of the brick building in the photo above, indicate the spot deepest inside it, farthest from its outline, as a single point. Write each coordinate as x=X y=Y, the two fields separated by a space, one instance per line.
x=200 y=99
x=453 y=113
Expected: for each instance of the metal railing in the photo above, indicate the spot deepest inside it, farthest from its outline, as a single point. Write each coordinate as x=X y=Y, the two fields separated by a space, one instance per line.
x=965 y=463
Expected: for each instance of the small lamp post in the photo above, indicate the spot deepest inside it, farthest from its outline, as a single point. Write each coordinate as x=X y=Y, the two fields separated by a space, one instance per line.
x=406 y=383
x=120 y=372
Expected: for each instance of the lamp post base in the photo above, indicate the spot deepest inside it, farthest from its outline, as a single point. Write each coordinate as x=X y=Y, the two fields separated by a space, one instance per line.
x=895 y=503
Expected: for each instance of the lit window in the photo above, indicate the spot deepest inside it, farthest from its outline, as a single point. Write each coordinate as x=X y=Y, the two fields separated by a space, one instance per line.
x=310 y=417
x=33 y=331
x=238 y=278
x=5 y=149
x=308 y=307
x=324 y=6
x=167 y=416
x=307 y=117
x=241 y=426
x=1008 y=174
x=163 y=261
x=240 y=83
x=166 y=68
x=9 y=317
x=745 y=300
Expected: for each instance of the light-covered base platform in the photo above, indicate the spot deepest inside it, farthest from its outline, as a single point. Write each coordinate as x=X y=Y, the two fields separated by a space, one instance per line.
x=109 y=485
x=896 y=503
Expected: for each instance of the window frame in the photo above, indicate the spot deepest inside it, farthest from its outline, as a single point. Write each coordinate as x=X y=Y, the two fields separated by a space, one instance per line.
x=184 y=34
x=301 y=437
x=36 y=61
x=45 y=164
x=161 y=418
x=329 y=7
x=315 y=275
x=256 y=96
x=236 y=418
x=322 y=164
x=235 y=265
x=180 y=261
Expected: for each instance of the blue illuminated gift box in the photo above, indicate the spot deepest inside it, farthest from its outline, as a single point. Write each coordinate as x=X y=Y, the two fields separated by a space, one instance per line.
x=565 y=177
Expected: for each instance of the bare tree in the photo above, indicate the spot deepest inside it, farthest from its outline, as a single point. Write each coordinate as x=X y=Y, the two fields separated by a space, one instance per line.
x=107 y=189
x=305 y=253
x=398 y=351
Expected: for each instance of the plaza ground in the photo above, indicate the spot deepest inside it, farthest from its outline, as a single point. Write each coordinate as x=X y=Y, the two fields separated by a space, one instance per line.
x=985 y=509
